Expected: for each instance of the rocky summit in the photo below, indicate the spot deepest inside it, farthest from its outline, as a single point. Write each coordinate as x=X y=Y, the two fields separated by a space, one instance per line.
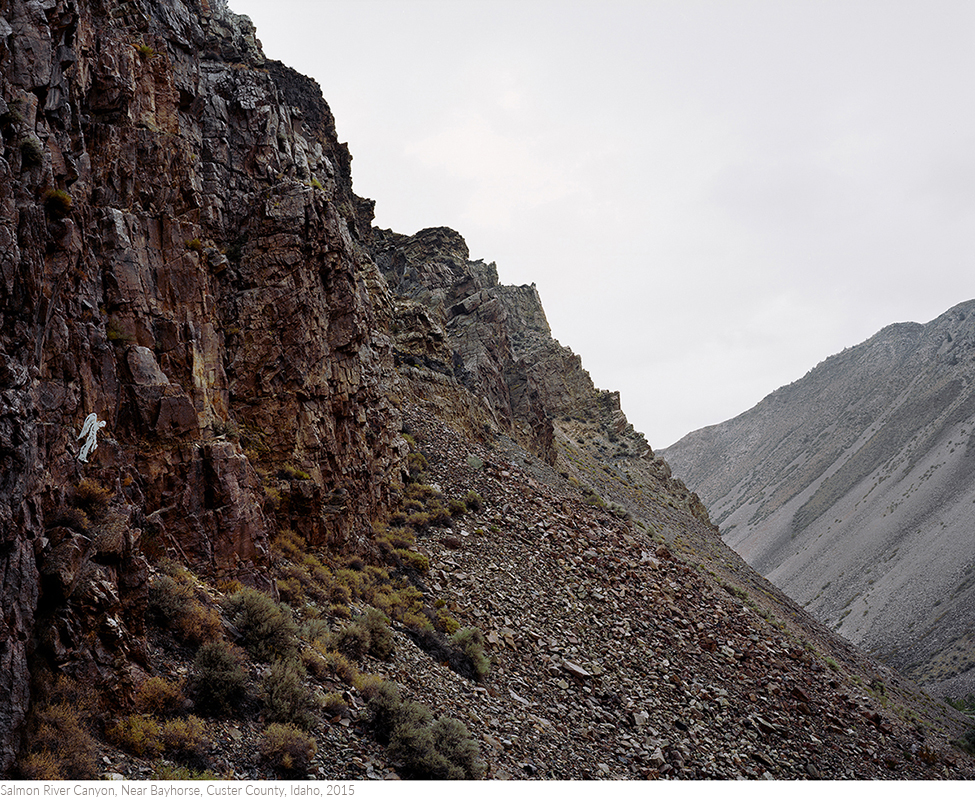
x=287 y=495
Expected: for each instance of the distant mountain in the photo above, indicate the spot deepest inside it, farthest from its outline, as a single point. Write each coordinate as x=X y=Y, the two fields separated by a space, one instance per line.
x=853 y=489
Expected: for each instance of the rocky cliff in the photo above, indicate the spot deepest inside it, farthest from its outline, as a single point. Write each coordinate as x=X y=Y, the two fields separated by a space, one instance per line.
x=853 y=490
x=216 y=375
x=180 y=256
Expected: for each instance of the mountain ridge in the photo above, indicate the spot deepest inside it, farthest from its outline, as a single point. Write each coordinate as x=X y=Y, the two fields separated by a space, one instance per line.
x=842 y=451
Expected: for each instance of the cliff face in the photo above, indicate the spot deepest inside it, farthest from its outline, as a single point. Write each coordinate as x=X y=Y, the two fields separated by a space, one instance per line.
x=853 y=490
x=179 y=256
x=184 y=258
x=204 y=344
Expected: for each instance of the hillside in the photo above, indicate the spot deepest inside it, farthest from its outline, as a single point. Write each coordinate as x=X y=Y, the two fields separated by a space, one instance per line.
x=286 y=495
x=853 y=489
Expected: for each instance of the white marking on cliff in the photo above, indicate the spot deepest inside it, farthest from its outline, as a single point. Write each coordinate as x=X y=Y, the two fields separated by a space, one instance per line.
x=90 y=429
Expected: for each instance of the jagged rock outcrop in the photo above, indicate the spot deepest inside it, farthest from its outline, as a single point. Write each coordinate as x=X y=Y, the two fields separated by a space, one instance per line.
x=179 y=256
x=489 y=349
x=853 y=489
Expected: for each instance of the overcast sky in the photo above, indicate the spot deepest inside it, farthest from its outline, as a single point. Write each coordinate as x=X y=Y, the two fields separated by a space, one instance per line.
x=712 y=197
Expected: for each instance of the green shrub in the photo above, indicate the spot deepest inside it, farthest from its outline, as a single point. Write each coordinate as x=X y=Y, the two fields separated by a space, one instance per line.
x=174 y=605
x=137 y=733
x=471 y=643
x=383 y=700
x=352 y=641
x=288 y=750
x=57 y=202
x=334 y=705
x=441 y=750
x=966 y=741
x=451 y=737
x=457 y=508
x=287 y=697
x=32 y=151
x=60 y=743
x=414 y=560
x=218 y=680
x=439 y=514
x=183 y=738
x=382 y=644
x=171 y=772
x=369 y=634
x=312 y=629
x=411 y=742
x=416 y=463
x=158 y=696
x=428 y=750
x=266 y=628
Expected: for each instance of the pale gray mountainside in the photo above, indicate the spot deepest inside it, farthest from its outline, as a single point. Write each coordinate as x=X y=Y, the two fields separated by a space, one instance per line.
x=853 y=489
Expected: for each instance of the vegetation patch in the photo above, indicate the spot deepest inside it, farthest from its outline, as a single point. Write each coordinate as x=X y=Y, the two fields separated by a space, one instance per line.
x=287 y=749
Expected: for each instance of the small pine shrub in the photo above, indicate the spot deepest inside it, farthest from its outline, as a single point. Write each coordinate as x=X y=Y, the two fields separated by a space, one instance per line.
x=287 y=697
x=288 y=750
x=266 y=628
x=218 y=680
x=474 y=501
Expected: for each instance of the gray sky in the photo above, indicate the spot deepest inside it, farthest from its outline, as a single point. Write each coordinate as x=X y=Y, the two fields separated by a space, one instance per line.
x=712 y=197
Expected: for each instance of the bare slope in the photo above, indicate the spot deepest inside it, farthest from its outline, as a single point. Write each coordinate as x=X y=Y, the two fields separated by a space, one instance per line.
x=853 y=489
